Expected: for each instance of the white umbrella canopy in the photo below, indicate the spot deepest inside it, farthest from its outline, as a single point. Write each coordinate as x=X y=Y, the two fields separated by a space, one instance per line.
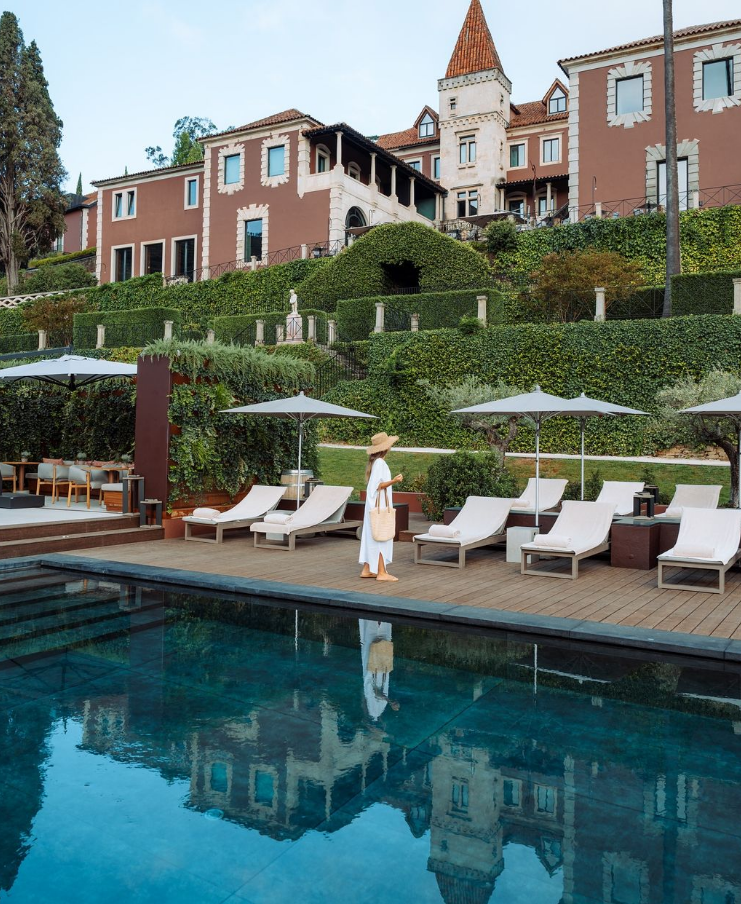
x=729 y=407
x=300 y=408
x=70 y=371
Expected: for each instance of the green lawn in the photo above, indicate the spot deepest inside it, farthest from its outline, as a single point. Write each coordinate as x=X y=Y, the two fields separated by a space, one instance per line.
x=346 y=467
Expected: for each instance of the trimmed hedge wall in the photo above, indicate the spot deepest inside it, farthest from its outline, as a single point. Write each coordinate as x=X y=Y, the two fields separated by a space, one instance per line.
x=242 y=328
x=703 y=293
x=621 y=361
x=710 y=240
x=19 y=342
x=356 y=317
x=124 y=328
x=358 y=271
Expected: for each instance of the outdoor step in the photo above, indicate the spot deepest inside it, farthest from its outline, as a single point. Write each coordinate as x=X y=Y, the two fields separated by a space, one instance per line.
x=15 y=586
x=75 y=525
x=44 y=545
x=102 y=629
x=49 y=604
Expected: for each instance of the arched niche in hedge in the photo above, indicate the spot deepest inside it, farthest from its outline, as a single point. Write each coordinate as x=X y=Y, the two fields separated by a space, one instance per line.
x=369 y=265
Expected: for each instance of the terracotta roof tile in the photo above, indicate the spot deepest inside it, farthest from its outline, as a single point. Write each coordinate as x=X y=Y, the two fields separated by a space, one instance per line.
x=533 y=112
x=275 y=120
x=410 y=137
x=475 y=50
x=657 y=39
x=150 y=172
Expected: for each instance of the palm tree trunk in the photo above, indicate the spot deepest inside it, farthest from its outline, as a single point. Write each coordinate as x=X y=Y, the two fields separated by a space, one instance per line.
x=673 y=259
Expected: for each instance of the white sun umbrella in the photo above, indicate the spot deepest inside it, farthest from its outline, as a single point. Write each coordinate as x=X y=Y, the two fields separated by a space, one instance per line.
x=536 y=406
x=70 y=371
x=595 y=408
x=300 y=408
x=730 y=408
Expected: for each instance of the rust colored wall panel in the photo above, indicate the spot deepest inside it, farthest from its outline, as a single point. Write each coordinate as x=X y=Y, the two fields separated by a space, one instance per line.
x=72 y=231
x=152 y=431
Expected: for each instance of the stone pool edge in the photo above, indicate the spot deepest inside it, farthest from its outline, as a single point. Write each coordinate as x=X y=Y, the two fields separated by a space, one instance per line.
x=644 y=639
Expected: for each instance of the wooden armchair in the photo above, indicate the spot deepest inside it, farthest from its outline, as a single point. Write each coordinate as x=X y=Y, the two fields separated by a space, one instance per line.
x=87 y=479
x=52 y=475
x=7 y=472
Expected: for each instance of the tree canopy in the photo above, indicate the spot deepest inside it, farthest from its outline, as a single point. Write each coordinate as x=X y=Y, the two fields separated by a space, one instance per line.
x=187 y=149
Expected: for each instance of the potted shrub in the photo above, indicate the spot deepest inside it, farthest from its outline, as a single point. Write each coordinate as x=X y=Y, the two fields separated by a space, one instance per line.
x=81 y=456
x=25 y=456
x=453 y=478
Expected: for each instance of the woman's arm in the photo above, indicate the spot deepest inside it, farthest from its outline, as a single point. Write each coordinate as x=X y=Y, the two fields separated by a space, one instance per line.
x=389 y=483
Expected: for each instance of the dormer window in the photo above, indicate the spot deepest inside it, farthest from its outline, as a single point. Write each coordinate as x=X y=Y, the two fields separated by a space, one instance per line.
x=453 y=104
x=426 y=126
x=557 y=102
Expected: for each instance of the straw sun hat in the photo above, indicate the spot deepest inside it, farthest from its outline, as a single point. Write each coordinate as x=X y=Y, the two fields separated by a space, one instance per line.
x=381 y=442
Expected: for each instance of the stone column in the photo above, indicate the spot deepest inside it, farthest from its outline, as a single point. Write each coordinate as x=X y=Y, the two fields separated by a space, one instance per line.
x=737 y=296
x=599 y=311
x=280 y=333
x=210 y=337
x=253 y=263
x=598 y=209
x=481 y=301
x=259 y=332
x=696 y=199
x=100 y=340
x=411 y=192
x=42 y=340
x=373 y=170
x=548 y=197
x=331 y=331
x=312 y=327
x=168 y=329
x=393 y=181
x=380 y=311
x=415 y=323
x=339 y=149
x=304 y=252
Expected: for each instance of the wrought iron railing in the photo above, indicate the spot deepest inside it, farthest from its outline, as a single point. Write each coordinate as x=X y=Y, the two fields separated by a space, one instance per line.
x=282 y=256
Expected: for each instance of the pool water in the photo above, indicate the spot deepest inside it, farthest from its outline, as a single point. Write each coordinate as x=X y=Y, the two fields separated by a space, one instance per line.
x=166 y=747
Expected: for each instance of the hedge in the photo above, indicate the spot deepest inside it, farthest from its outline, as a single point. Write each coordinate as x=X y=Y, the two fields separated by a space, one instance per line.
x=124 y=328
x=18 y=342
x=710 y=240
x=356 y=317
x=60 y=258
x=358 y=271
x=242 y=328
x=703 y=293
x=620 y=361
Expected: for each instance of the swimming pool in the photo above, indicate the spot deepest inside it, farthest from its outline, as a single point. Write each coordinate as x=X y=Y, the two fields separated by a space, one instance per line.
x=166 y=747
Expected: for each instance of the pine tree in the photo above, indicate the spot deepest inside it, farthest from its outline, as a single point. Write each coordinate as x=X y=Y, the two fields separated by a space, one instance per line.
x=31 y=173
x=78 y=190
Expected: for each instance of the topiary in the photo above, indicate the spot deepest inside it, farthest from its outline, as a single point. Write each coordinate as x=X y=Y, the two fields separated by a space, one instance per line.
x=501 y=235
x=451 y=479
x=468 y=324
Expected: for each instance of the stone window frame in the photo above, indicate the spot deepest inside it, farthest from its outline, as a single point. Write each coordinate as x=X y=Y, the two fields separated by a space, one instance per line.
x=510 y=145
x=354 y=168
x=274 y=141
x=322 y=150
x=124 y=192
x=711 y=55
x=657 y=152
x=631 y=69
x=230 y=150
x=253 y=212
x=188 y=180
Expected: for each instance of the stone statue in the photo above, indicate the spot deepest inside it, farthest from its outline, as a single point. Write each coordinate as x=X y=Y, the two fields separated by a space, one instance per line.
x=294 y=321
x=294 y=302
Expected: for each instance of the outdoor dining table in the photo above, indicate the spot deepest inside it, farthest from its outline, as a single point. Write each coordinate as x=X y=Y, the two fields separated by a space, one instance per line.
x=21 y=468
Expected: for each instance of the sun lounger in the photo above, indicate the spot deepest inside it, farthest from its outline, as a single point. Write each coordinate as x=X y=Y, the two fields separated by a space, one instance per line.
x=708 y=540
x=582 y=529
x=256 y=504
x=323 y=511
x=550 y=491
x=620 y=493
x=481 y=522
x=692 y=495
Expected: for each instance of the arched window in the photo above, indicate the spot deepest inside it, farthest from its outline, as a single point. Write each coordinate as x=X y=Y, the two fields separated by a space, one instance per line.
x=353 y=171
x=426 y=126
x=557 y=102
x=322 y=159
x=355 y=217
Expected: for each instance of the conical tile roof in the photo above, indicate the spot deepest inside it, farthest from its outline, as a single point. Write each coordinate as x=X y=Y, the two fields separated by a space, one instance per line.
x=475 y=50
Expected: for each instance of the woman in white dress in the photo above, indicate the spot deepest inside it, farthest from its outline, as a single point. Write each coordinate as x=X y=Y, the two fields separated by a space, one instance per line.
x=375 y=556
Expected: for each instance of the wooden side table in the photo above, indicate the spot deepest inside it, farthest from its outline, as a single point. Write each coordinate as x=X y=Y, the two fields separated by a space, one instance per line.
x=636 y=543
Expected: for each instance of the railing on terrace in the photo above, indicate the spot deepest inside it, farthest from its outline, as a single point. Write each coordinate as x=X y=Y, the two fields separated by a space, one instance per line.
x=13 y=301
x=306 y=251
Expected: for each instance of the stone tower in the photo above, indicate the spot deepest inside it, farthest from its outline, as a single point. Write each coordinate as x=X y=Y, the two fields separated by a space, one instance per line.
x=474 y=114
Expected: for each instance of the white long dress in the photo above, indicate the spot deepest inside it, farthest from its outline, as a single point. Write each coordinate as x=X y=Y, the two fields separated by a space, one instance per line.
x=375 y=684
x=370 y=549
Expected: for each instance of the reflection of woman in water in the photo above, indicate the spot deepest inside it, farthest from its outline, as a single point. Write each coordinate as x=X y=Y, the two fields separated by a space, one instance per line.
x=377 y=656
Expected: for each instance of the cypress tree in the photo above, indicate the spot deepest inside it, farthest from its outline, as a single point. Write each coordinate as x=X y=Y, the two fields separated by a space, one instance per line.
x=78 y=190
x=31 y=173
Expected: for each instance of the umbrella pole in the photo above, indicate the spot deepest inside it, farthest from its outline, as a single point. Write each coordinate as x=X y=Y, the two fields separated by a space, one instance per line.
x=537 y=472
x=583 y=423
x=300 y=445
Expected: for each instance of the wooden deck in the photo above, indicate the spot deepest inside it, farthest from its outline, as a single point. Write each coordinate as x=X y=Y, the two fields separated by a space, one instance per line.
x=601 y=594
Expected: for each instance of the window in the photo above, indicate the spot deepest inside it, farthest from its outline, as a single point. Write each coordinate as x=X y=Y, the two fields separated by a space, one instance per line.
x=545 y=799
x=511 y=792
x=191 y=192
x=130 y=203
x=468 y=203
x=459 y=796
x=124 y=263
x=416 y=165
x=322 y=160
x=516 y=205
x=717 y=79
x=252 y=239
x=231 y=169
x=264 y=788
x=436 y=168
x=426 y=126
x=467 y=150
x=452 y=104
x=557 y=102
x=185 y=255
x=154 y=258
x=219 y=778
x=682 y=182
x=543 y=208
x=353 y=171
x=118 y=205
x=551 y=150
x=629 y=95
x=277 y=160
x=517 y=155
x=124 y=204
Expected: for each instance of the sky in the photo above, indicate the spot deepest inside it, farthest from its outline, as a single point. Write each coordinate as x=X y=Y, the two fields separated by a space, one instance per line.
x=121 y=72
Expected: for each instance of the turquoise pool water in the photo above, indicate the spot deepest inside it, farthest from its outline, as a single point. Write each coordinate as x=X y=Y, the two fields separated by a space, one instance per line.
x=164 y=747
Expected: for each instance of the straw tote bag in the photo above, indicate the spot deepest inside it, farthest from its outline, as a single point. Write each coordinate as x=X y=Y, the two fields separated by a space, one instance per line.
x=381 y=656
x=383 y=520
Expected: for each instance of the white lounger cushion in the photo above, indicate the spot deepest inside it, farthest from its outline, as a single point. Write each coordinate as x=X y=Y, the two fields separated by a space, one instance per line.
x=480 y=517
x=692 y=495
x=620 y=493
x=586 y=525
x=550 y=492
x=702 y=531
x=324 y=502
x=444 y=531
x=255 y=504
